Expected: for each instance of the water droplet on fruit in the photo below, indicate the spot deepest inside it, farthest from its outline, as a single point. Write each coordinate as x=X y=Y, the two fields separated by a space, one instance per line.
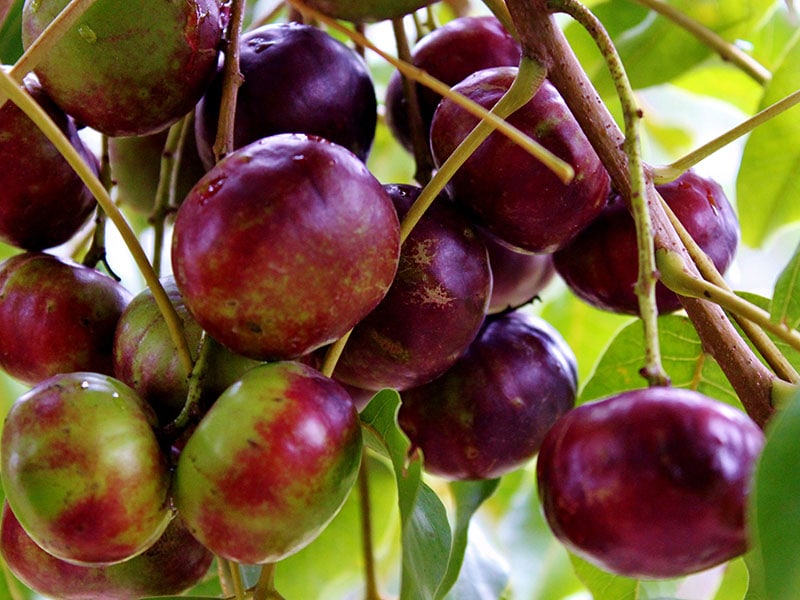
x=259 y=44
x=84 y=385
x=211 y=188
x=87 y=33
x=298 y=157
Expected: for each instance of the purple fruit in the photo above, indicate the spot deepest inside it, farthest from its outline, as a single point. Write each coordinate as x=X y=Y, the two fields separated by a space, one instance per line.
x=651 y=483
x=488 y=414
x=56 y=316
x=432 y=311
x=82 y=469
x=297 y=79
x=449 y=53
x=601 y=264
x=262 y=490
x=284 y=246
x=509 y=192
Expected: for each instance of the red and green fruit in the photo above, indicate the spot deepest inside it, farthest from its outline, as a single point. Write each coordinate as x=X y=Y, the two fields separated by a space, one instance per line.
x=175 y=563
x=284 y=246
x=262 y=490
x=128 y=67
x=488 y=414
x=56 y=316
x=82 y=469
x=650 y=483
x=508 y=191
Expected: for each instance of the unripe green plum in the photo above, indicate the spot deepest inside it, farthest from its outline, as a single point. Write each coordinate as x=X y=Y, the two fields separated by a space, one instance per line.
x=270 y=464
x=83 y=471
x=367 y=10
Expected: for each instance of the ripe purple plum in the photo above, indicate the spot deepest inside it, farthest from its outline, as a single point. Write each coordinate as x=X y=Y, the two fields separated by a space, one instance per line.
x=434 y=308
x=449 y=53
x=284 y=246
x=650 y=483
x=175 y=563
x=488 y=414
x=601 y=264
x=128 y=67
x=297 y=79
x=82 y=469
x=56 y=316
x=508 y=191
x=263 y=490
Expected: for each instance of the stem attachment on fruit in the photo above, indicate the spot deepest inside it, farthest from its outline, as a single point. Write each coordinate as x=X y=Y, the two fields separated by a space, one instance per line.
x=42 y=120
x=645 y=285
x=265 y=588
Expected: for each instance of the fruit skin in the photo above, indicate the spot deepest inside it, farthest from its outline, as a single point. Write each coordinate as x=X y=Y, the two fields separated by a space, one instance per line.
x=128 y=67
x=434 y=308
x=488 y=414
x=262 y=490
x=360 y=11
x=284 y=246
x=82 y=469
x=175 y=563
x=449 y=53
x=601 y=264
x=650 y=483
x=297 y=79
x=509 y=192
x=38 y=212
x=56 y=316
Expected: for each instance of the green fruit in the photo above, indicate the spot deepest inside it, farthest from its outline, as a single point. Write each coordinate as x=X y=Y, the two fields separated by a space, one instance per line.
x=367 y=10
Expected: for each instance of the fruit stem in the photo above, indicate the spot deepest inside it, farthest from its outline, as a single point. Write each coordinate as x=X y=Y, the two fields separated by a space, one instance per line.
x=727 y=51
x=232 y=80
x=265 y=588
x=765 y=346
x=646 y=282
x=333 y=354
x=35 y=113
x=528 y=80
x=665 y=174
x=97 y=248
x=197 y=379
x=500 y=11
x=370 y=578
x=236 y=579
x=560 y=168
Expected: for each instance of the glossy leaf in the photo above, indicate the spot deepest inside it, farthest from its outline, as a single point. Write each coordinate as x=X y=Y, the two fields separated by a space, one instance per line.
x=603 y=585
x=786 y=298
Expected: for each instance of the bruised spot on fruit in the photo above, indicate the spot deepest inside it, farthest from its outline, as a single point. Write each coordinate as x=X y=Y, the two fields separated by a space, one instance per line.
x=391 y=347
x=421 y=254
x=434 y=294
x=254 y=327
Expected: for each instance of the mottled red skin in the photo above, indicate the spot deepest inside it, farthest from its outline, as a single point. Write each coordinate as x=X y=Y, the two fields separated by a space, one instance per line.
x=43 y=203
x=601 y=264
x=488 y=414
x=297 y=79
x=517 y=277
x=262 y=490
x=432 y=311
x=56 y=316
x=360 y=11
x=651 y=483
x=284 y=246
x=146 y=359
x=449 y=53
x=128 y=67
x=510 y=192
x=82 y=469
x=175 y=563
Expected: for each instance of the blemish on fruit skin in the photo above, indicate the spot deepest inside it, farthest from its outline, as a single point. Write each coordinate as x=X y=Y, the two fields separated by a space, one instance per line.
x=87 y=33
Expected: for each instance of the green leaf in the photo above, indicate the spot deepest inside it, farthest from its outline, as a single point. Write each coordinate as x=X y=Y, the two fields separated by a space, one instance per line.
x=768 y=189
x=734 y=582
x=426 y=537
x=603 y=585
x=775 y=506
x=11 y=35
x=786 y=297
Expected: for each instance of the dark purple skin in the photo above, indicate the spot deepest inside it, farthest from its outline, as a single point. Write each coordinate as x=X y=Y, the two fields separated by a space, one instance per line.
x=509 y=192
x=488 y=414
x=56 y=316
x=449 y=53
x=175 y=563
x=146 y=359
x=297 y=79
x=43 y=202
x=601 y=264
x=434 y=308
x=651 y=483
x=517 y=277
x=128 y=67
x=284 y=246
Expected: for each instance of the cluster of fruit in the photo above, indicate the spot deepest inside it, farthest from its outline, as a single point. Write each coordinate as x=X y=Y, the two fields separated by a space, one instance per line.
x=285 y=246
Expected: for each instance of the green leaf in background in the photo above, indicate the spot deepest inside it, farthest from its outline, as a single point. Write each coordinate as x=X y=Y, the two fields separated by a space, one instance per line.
x=786 y=297
x=775 y=506
x=768 y=189
x=425 y=529
x=11 y=32
x=603 y=585
x=735 y=581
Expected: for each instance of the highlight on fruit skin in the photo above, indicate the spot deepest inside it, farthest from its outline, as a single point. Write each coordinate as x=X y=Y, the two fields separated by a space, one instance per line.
x=650 y=483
